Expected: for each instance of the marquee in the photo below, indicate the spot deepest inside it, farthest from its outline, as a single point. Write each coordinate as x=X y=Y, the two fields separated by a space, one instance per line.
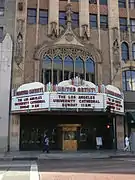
x=73 y=94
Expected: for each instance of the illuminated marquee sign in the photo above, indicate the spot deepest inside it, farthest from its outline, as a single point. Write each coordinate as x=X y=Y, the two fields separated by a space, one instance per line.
x=30 y=103
x=75 y=89
x=116 y=104
x=76 y=101
x=30 y=92
x=69 y=94
x=114 y=99
x=30 y=89
x=30 y=97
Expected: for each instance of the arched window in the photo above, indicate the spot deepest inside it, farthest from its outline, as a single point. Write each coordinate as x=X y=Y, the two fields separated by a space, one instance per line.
x=124 y=51
x=90 y=70
x=79 y=67
x=68 y=68
x=128 y=78
x=47 y=65
x=133 y=51
x=57 y=70
x=47 y=62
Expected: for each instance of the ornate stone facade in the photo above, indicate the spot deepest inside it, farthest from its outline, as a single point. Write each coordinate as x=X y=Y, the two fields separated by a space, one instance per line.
x=35 y=41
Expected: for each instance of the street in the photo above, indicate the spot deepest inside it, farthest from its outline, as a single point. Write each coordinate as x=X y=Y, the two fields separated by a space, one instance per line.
x=69 y=169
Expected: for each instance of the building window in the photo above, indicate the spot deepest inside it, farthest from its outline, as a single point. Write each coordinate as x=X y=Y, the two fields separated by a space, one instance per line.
x=32 y=16
x=90 y=70
x=79 y=67
x=75 y=19
x=132 y=4
x=2 y=6
x=68 y=68
x=124 y=51
x=103 y=21
x=93 y=1
x=55 y=70
x=93 y=20
x=133 y=51
x=122 y=3
x=132 y=25
x=128 y=78
x=43 y=16
x=47 y=72
x=103 y=2
x=1 y=34
x=62 y=18
x=123 y=24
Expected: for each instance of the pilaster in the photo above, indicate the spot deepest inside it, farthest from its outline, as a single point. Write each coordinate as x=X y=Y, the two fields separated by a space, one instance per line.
x=14 y=132
x=84 y=17
x=53 y=20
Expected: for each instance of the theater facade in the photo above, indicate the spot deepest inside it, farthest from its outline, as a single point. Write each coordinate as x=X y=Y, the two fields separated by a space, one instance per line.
x=67 y=72
x=73 y=113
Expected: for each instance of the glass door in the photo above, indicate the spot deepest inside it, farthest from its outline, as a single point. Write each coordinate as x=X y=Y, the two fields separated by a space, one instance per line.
x=31 y=138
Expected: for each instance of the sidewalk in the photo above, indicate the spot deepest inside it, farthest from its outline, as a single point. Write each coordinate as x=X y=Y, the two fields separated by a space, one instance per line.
x=38 y=155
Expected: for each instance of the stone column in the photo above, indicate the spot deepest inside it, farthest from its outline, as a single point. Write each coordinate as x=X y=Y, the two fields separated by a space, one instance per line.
x=19 y=42
x=37 y=62
x=84 y=17
x=114 y=41
x=14 y=132
x=120 y=132
x=53 y=19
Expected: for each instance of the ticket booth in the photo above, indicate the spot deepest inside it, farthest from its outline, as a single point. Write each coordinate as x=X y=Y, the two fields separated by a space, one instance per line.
x=69 y=136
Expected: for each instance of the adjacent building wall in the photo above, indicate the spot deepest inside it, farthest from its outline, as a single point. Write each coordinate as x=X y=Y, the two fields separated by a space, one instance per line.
x=5 y=82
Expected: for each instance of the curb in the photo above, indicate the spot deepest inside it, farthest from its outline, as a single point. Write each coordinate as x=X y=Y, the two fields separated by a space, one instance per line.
x=122 y=156
x=6 y=158
x=17 y=158
x=48 y=158
x=24 y=158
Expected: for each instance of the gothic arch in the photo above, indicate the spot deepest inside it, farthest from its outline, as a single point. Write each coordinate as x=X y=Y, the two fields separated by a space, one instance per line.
x=69 y=50
x=62 y=50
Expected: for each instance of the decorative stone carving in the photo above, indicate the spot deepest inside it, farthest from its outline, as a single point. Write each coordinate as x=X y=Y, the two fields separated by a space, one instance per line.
x=93 y=1
x=72 y=52
x=69 y=13
x=115 y=32
x=115 y=40
x=85 y=35
x=77 y=81
x=53 y=33
x=69 y=37
x=124 y=36
x=20 y=25
x=19 y=45
x=115 y=48
x=20 y=6
x=19 y=42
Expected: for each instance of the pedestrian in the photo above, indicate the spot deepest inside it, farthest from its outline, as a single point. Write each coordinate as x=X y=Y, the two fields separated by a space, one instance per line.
x=127 y=144
x=46 y=144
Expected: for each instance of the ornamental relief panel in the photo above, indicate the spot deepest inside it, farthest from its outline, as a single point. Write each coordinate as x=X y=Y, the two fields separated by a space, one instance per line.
x=19 y=42
x=72 y=52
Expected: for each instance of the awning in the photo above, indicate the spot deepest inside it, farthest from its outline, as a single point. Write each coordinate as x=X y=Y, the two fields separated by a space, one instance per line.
x=130 y=116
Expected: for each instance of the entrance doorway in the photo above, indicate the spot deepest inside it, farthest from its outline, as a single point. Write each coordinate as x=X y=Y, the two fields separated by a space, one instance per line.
x=33 y=128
